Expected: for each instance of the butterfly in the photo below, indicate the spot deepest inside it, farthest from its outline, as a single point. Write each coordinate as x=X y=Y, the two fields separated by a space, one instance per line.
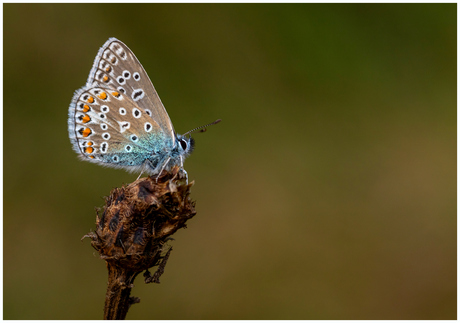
x=118 y=120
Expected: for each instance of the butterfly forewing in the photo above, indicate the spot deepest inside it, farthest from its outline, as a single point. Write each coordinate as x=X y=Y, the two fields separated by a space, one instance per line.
x=117 y=67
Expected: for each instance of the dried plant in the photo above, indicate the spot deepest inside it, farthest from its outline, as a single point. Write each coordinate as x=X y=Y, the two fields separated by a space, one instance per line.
x=132 y=230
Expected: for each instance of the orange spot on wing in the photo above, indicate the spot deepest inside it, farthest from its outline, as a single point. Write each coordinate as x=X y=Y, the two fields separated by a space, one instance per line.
x=89 y=150
x=86 y=132
x=103 y=96
x=92 y=157
x=86 y=119
x=105 y=78
x=108 y=69
x=89 y=143
x=85 y=108
x=116 y=94
x=91 y=99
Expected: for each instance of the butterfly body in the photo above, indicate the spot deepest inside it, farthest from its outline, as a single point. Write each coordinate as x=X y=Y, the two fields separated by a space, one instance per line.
x=118 y=120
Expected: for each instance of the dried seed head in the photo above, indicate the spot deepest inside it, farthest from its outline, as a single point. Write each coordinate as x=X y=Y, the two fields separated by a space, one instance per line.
x=139 y=218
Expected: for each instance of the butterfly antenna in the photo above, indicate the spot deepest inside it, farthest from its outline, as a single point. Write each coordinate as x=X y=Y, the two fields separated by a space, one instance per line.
x=202 y=128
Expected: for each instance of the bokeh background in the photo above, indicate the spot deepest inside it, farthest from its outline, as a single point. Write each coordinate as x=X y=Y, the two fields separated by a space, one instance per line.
x=327 y=192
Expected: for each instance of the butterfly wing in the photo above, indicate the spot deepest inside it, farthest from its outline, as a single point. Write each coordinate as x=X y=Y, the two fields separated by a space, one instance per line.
x=117 y=67
x=107 y=127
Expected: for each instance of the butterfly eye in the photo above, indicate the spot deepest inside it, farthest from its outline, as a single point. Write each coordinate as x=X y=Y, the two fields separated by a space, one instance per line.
x=183 y=144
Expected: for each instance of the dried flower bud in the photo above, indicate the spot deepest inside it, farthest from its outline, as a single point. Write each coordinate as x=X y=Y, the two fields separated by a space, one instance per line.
x=132 y=230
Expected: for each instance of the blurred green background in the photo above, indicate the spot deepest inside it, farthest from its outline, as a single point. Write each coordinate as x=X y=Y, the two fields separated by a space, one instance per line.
x=327 y=192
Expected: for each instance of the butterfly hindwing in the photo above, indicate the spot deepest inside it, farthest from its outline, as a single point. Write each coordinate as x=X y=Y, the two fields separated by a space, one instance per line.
x=107 y=127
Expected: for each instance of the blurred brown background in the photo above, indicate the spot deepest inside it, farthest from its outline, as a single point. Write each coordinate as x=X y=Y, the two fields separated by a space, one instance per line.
x=327 y=192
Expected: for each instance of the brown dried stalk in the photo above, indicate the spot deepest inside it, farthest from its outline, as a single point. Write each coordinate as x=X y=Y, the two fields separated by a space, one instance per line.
x=132 y=231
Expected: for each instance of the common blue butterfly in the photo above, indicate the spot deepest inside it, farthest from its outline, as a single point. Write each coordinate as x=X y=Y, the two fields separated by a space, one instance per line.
x=118 y=120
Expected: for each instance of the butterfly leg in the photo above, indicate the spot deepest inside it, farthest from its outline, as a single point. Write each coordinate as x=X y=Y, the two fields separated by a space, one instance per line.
x=163 y=167
x=186 y=175
x=145 y=166
x=183 y=169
